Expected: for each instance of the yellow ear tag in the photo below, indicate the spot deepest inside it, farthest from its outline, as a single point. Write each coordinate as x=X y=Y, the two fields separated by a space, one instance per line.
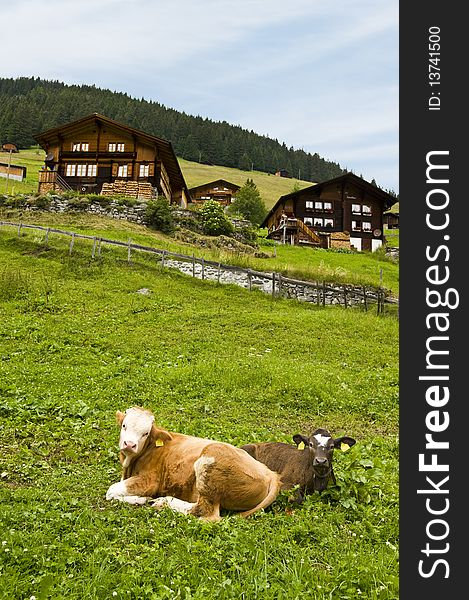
x=301 y=446
x=159 y=443
x=344 y=447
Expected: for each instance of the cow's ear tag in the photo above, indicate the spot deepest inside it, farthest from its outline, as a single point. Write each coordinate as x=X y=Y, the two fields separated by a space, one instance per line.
x=301 y=446
x=344 y=447
x=159 y=443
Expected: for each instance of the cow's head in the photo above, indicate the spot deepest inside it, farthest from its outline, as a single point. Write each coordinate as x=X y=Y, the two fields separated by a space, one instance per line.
x=321 y=446
x=138 y=430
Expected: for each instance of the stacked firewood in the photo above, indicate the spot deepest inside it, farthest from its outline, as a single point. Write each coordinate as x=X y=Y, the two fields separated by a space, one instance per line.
x=145 y=191
x=131 y=189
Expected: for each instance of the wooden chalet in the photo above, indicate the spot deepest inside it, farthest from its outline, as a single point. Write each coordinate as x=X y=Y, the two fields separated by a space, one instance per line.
x=220 y=190
x=343 y=212
x=95 y=154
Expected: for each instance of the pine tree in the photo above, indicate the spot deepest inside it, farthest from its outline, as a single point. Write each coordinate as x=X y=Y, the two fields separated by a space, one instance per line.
x=248 y=203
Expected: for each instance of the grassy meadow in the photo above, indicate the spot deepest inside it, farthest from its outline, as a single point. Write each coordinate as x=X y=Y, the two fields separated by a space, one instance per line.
x=78 y=342
x=361 y=268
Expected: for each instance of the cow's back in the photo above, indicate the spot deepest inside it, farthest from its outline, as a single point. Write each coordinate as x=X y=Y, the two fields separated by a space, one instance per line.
x=250 y=481
x=292 y=464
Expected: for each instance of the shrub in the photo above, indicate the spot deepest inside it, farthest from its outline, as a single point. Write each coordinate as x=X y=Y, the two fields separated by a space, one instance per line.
x=159 y=216
x=214 y=220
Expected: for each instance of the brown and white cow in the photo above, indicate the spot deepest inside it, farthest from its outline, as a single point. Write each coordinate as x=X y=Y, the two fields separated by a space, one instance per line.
x=188 y=474
x=307 y=465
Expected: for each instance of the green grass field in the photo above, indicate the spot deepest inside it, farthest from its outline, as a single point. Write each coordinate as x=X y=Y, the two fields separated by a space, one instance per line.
x=361 y=268
x=77 y=343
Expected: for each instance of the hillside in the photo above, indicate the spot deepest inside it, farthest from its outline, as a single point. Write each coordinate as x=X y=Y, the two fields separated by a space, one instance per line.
x=79 y=342
x=31 y=105
x=369 y=269
x=270 y=186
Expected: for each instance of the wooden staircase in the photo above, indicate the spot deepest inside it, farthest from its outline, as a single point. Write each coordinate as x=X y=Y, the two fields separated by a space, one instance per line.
x=311 y=236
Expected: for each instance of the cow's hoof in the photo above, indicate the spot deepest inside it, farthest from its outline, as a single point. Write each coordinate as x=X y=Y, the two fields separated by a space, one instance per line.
x=159 y=503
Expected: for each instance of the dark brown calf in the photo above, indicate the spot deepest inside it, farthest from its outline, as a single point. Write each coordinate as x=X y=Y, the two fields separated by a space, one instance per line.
x=309 y=467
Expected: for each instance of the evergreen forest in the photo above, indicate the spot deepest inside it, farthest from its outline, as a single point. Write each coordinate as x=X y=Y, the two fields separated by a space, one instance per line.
x=30 y=105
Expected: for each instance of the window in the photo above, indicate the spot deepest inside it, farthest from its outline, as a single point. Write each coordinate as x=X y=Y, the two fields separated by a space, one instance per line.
x=81 y=170
x=327 y=205
x=356 y=226
x=318 y=222
x=92 y=170
x=70 y=170
x=366 y=209
x=318 y=205
x=80 y=147
x=356 y=209
x=309 y=204
x=144 y=170
x=116 y=147
x=122 y=172
x=308 y=220
x=328 y=222
x=366 y=226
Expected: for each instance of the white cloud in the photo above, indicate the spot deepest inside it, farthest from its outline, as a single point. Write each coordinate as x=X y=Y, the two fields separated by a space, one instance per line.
x=318 y=75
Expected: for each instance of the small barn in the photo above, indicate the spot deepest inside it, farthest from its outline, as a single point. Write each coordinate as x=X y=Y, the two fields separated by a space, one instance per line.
x=391 y=218
x=98 y=155
x=220 y=190
x=15 y=172
x=9 y=147
x=346 y=211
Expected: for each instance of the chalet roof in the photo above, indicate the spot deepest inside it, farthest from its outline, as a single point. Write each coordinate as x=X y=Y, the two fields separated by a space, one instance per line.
x=164 y=147
x=213 y=183
x=380 y=194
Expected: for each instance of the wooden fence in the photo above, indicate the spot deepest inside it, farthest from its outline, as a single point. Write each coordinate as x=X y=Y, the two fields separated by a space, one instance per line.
x=321 y=293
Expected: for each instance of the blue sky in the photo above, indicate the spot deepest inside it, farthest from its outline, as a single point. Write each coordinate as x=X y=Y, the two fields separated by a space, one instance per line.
x=317 y=75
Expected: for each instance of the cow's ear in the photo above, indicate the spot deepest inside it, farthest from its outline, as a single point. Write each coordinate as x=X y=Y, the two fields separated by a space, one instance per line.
x=160 y=434
x=301 y=441
x=349 y=441
x=120 y=416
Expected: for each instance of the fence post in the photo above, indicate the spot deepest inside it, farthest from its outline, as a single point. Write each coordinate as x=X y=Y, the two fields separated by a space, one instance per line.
x=364 y=298
x=203 y=269
x=345 y=296
x=72 y=241
x=128 y=252
x=193 y=265
x=218 y=276
x=162 y=258
x=99 y=248
x=94 y=247
x=19 y=229
x=46 y=239
x=280 y=285
x=323 y=293
x=249 y=279
x=273 y=284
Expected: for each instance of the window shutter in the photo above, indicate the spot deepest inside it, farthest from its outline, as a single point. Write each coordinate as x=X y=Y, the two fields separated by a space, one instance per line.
x=115 y=169
x=129 y=170
x=151 y=170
